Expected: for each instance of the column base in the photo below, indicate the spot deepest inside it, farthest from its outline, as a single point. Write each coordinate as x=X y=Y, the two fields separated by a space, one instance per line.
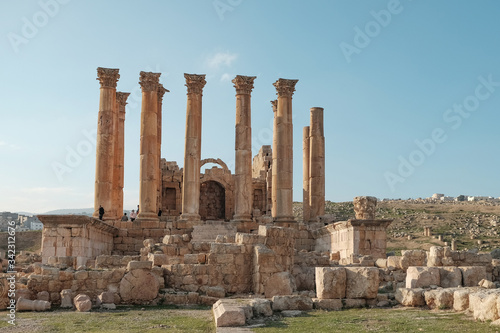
x=190 y=217
x=147 y=217
x=285 y=221
x=242 y=218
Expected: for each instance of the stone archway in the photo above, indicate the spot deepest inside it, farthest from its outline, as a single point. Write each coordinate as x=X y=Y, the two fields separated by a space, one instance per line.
x=212 y=201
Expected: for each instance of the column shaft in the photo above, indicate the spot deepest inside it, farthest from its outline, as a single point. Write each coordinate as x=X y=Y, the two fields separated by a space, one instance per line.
x=161 y=93
x=149 y=163
x=192 y=148
x=273 y=167
x=316 y=165
x=283 y=153
x=243 y=202
x=119 y=157
x=305 y=175
x=103 y=195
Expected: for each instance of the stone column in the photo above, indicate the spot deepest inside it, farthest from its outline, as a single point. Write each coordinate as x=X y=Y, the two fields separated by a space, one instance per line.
x=243 y=196
x=161 y=92
x=103 y=192
x=118 y=172
x=149 y=163
x=316 y=165
x=305 y=174
x=283 y=153
x=272 y=192
x=192 y=148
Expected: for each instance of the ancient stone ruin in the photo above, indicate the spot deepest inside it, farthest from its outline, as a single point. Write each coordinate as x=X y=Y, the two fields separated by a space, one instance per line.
x=222 y=235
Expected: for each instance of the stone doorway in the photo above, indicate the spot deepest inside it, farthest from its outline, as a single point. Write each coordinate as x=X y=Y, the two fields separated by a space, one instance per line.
x=212 y=201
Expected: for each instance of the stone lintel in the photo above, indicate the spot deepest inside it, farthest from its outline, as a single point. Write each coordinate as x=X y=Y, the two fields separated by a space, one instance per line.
x=285 y=87
x=243 y=84
x=108 y=77
x=195 y=83
x=66 y=221
x=149 y=81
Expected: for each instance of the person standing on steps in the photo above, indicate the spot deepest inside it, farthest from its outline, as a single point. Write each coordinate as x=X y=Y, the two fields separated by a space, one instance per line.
x=101 y=212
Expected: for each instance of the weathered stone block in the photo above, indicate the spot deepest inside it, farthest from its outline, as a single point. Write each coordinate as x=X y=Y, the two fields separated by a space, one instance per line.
x=472 y=275
x=279 y=284
x=139 y=265
x=450 y=277
x=439 y=298
x=421 y=277
x=82 y=303
x=461 y=299
x=327 y=304
x=483 y=305
x=410 y=297
x=354 y=303
x=228 y=314
x=361 y=282
x=330 y=282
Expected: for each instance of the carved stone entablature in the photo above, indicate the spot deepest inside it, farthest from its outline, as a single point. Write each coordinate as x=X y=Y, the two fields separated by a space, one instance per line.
x=108 y=77
x=149 y=81
x=284 y=87
x=195 y=83
x=243 y=84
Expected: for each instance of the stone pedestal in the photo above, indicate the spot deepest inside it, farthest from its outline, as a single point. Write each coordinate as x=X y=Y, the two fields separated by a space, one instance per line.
x=105 y=145
x=149 y=163
x=316 y=165
x=243 y=199
x=283 y=153
x=192 y=150
x=305 y=174
x=118 y=170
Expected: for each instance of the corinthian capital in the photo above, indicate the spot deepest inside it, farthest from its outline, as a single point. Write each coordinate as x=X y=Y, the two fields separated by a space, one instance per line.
x=121 y=98
x=284 y=87
x=107 y=77
x=195 y=83
x=161 y=92
x=149 y=81
x=274 y=105
x=243 y=84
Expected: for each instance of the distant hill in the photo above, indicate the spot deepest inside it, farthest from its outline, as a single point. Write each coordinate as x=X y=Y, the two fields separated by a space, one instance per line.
x=76 y=211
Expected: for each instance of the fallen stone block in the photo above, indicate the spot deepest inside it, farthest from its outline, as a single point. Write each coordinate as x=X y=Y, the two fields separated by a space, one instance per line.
x=139 y=265
x=422 y=277
x=487 y=284
x=330 y=282
x=410 y=297
x=218 y=292
x=66 y=298
x=228 y=313
x=29 y=305
x=261 y=307
x=362 y=282
x=292 y=302
x=82 y=303
x=439 y=299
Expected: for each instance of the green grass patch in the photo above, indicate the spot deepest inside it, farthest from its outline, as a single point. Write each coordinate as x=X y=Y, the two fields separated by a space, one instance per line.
x=378 y=320
x=129 y=319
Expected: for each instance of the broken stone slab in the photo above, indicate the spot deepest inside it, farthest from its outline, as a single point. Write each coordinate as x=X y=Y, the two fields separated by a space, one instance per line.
x=230 y=313
x=439 y=298
x=292 y=302
x=330 y=282
x=29 y=305
x=472 y=275
x=139 y=285
x=362 y=282
x=82 y=303
x=279 y=284
x=410 y=297
x=422 y=277
x=328 y=304
x=106 y=297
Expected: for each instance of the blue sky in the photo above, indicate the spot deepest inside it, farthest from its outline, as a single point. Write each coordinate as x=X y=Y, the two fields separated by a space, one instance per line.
x=387 y=83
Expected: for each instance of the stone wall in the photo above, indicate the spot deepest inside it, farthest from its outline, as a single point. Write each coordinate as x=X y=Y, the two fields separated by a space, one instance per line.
x=77 y=236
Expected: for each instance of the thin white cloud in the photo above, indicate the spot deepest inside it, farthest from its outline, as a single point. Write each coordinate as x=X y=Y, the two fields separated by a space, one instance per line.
x=225 y=77
x=222 y=58
x=46 y=190
x=3 y=143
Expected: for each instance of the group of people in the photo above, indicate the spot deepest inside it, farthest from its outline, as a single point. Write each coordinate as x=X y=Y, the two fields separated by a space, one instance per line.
x=133 y=214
